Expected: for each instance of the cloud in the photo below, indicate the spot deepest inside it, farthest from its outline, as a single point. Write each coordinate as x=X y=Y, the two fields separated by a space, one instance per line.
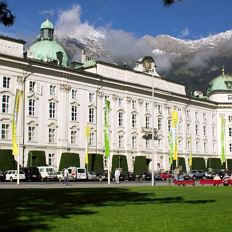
x=184 y=33
x=117 y=45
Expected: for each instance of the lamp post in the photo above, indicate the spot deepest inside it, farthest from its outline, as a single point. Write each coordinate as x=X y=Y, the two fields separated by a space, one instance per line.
x=152 y=135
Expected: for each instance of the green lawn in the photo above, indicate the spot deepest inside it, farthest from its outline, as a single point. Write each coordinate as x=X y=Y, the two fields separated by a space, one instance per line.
x=133 y=209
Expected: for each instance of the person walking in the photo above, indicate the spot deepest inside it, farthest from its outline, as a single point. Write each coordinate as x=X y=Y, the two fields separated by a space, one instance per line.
x=117 y=175
x=66 y=176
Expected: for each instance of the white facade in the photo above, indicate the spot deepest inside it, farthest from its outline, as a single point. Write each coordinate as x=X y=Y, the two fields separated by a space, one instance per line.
x=59 y=102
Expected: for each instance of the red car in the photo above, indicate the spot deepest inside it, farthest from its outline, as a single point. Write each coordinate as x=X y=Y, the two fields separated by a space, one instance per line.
x=165 y=175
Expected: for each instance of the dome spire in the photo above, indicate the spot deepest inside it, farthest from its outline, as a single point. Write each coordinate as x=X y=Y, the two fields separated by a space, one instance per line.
x=223 y=70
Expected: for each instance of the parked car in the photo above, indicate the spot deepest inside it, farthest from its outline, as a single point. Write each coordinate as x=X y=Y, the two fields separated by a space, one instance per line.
x=91 y=176
x=103 y=176
x=196 y=174
x=165 y=175
x=32 y=174
x=2 y=176
x=60 y=176
x=12 y=175
x=47 y=173
x=77 y=173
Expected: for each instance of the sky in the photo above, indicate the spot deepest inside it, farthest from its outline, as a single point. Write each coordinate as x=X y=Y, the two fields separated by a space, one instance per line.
x=189 y=19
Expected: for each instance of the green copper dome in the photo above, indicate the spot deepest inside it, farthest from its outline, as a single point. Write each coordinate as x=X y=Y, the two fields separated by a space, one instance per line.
x=47 y=25
x=221 y=83
x=48 y=51
x=46 y=48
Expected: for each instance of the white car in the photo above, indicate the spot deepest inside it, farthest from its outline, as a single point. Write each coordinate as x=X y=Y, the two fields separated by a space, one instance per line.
x=12 y=175
x=60 y=176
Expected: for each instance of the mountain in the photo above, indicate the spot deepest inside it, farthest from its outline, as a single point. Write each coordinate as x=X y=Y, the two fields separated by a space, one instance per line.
x=192 y=62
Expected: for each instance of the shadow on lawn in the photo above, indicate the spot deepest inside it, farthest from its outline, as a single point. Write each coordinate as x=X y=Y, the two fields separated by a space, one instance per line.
x=30 y=209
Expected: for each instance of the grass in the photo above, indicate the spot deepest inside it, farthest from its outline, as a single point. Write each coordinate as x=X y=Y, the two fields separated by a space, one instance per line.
x=132 y=209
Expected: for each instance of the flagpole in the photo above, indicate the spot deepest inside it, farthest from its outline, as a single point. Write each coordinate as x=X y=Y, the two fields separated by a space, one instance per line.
x=109 y=170
x=152 y=135
x=18 y=170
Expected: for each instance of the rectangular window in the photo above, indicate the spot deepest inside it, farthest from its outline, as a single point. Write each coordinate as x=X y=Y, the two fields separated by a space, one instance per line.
x=133 y=120
x=197 y=129
x=230 y=132
x=73 y=137
x=91 y=138
x=196 y=115
x=51 y=159
x=31 y=133
x=147 y=141
x=6 y=82
x=51 y=135
x=74 y=94
x=120 y=102
x=148 y=121
x=134 y=141
x=5 y=103
x=213 y=131
x=147 y=106
x=204 y=130
x=197 y=146
x=229 y=97
x=91 y=97
x=120 y=141
x=205 y=147
x=5 y=131
x=230 y=118
x=52 y=109
x=230 y=147
x=188 y=128
x=74 y=113
x=169 y=125
x=32 y=86
x=159 y=124
x=52 y=90
x=31 y=107
x=120 y=119
x=133 y=104
x=91 y=115
x=159 y=109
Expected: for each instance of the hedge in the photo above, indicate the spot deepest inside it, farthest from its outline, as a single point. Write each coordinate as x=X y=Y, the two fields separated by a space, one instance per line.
x=198 y=163
x=69 y=160
x=140 y=165
x=95 y=163
x=36 y=158
x=181 y=163
x=119 y=161
x=229 y=164
x=7 y=160
x=215 y=163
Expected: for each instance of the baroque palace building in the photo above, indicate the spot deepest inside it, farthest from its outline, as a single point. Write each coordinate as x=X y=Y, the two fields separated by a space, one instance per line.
x=61 y=99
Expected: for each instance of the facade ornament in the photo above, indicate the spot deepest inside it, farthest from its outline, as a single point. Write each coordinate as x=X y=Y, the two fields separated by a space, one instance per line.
x=65 y=87
x=128 y=99
x=100 y=94
x=115 y=97
x=140 y=101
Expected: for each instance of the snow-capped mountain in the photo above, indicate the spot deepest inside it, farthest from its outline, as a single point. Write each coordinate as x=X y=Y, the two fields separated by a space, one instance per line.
x=193 y=62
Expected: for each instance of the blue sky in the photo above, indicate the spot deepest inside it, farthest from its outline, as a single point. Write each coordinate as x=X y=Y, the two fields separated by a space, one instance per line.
x=190 y=19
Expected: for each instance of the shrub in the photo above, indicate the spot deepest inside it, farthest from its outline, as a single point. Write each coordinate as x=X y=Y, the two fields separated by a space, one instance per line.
x=7 y=160
x=69 y=160
x=119 y=161
x=215 y=163
x=229 y=164
x=181 y=163
x=36 y=158
x=198 y=163
x=140 y=165
x=95 y=163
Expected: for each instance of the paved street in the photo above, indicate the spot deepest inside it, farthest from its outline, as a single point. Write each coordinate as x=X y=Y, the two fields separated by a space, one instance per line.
x=97 y=184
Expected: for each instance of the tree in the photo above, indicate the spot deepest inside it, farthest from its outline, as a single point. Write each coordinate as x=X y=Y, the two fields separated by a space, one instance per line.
x=6 y=17
x=170 y=2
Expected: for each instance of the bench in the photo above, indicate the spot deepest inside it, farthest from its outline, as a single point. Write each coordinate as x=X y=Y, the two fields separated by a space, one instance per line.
x=184 y=182
x=211 y=182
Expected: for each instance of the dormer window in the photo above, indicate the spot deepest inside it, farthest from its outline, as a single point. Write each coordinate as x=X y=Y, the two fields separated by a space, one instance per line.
x=228 y=84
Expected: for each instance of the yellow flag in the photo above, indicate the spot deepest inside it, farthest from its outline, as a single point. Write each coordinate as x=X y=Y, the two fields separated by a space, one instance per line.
x=87 y=133
x=15 y=149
